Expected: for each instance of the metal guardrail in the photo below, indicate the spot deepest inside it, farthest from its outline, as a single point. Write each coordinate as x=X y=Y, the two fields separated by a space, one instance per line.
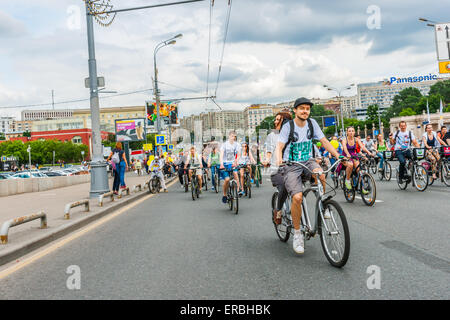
x=18 y=221
x=108 y=194
x=127 y=189
x=138 y=186
x=73 y=205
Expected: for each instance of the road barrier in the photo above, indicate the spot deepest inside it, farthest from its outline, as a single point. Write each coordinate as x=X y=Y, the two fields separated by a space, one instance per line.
x=137 y=186
x=108 y=194
x=18 y=221
x=127 y=189
x=73 y=205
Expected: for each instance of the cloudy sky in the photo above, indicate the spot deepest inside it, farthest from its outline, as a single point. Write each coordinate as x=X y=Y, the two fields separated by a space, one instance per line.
x=276 y=50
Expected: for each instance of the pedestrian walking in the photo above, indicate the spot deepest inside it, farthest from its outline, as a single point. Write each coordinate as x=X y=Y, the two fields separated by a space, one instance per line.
x=119 y=165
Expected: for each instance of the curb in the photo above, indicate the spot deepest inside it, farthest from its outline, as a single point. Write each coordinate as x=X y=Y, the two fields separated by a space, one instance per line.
x=19 y=250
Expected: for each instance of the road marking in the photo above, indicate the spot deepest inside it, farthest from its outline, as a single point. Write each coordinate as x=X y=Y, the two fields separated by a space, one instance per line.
x=358 y=197
x=27 y=261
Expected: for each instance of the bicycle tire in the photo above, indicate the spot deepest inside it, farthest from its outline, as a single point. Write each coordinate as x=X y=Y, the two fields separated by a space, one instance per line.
x=416 y=174
x=445 y=172
x=235 y=196
x=283 y=235
x=205 y=181
x=387 y=170
x=402 y=185
x=186 y=183
x=367 y=178
x=373 y=166
x=249 y=190
x=381 y=174
x=349 y=195
x=193 y=188
x=338 y=263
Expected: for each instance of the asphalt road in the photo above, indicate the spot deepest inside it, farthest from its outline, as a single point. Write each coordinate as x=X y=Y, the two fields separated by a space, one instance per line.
x=170 y=247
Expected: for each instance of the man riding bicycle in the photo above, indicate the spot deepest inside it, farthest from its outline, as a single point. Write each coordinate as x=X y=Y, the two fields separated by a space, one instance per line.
x=295 y=144
x=229 y=157
x=195 y=160
x=402 y=141
x=245 y=159
x=156 y=167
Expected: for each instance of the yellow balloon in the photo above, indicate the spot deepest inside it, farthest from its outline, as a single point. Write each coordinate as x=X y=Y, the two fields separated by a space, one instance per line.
x=335 y=144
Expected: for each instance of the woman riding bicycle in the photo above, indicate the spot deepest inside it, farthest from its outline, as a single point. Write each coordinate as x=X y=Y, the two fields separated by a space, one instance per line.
x=245 y=160
x=350 y=144
x=214 y=164
x=380 y=146
x=430 y=141
x=195 y=160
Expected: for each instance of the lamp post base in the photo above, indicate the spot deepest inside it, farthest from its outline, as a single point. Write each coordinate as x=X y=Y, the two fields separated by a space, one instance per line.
x=99 y=179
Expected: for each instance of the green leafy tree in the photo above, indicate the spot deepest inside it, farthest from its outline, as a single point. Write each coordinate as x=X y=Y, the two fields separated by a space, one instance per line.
x=434 y=101
x=407 y=98
x=267 y=123
x=442 y=88
x=407 y=112
x=27 y=134
x=372 y=114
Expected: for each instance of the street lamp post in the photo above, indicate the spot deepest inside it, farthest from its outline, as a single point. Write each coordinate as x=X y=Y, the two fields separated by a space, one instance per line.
x=157 y=100
x=99 y=176
x=339 y=91
x=29 y=159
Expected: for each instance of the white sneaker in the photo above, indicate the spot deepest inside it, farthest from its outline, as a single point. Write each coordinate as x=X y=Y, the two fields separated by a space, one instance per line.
x=298 y=243
x=326 y=214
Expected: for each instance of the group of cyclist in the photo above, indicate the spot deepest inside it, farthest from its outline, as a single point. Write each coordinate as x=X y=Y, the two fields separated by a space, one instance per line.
x=291 y=156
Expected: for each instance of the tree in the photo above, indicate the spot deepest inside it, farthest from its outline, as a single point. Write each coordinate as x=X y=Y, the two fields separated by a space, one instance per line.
x=434 y=101
x=2 y=137
x=267 y=123
x=407 y=112
x=442 y=88
x=27 y=134
x=372 y=113
x=407 y=98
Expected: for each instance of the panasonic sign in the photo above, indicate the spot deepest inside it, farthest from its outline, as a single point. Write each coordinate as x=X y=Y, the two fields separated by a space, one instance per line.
x=413 y=79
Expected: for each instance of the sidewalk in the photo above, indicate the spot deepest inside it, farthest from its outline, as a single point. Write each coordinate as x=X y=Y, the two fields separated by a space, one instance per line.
x=24 y=238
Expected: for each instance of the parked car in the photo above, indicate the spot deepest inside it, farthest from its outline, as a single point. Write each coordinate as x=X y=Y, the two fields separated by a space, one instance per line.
x=45 y=169
x=6 y=175
x=26 y=174
x=53 y=174
x=63 y=172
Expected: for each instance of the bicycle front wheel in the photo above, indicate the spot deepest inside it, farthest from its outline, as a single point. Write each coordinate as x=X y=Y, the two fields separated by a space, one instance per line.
x=235 y=197
x=445 y=172
x=420 y=178
x=387 y=171
x=193 y=189
x=334 y=234
x=368 y=189
x=283 y=230
x=404 y=183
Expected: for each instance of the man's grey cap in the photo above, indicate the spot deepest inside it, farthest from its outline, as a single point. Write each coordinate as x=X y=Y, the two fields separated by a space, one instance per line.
x=302 y=100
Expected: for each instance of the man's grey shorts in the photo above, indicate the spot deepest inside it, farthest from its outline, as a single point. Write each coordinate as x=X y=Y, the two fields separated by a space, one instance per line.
x=292 y=176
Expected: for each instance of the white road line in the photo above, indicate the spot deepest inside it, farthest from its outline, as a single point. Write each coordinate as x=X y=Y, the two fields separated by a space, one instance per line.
x=358 y=197
x=69 y=238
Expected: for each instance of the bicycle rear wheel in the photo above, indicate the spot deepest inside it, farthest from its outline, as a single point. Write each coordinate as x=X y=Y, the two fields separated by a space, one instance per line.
x=420 y=178
x=283 y=230
x=334 y=234
x=404 y=183
x=368 y=184
x=349 y=194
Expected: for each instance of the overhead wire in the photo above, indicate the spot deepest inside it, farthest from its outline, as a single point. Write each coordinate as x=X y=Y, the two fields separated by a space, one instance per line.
x=209 y=46
x=230 y=3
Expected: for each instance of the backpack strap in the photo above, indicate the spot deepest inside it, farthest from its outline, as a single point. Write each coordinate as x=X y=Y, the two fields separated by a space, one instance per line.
x=291 y=137
x=410 y=138
x=310 y=135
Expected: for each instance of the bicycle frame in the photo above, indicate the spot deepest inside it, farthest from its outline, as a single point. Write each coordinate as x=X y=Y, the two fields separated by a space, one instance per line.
x=318 y=191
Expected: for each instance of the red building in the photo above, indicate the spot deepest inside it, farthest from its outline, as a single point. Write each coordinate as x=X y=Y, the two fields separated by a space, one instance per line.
x=81 y=136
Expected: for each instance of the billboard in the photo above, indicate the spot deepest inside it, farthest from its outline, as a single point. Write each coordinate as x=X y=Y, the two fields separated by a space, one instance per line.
x=168 y=113
x=130 y=130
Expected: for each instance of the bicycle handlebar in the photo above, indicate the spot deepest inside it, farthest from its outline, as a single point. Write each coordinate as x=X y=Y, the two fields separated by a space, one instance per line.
x=317 y=173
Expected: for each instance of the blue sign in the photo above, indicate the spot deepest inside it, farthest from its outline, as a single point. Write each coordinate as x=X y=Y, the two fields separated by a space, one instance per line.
x=413 y=79
x=160 y=140
x=376 y=132
x=329 y=121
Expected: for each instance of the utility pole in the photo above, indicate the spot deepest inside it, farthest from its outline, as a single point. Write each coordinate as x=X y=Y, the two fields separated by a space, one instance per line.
x=99 y=176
